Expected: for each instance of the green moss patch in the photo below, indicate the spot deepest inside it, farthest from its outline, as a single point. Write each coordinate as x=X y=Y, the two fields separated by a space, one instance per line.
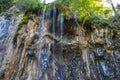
x=23 y=21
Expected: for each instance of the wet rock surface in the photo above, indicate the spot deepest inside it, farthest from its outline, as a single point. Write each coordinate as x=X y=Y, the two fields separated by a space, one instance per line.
x=7 y=28
x=44 y=52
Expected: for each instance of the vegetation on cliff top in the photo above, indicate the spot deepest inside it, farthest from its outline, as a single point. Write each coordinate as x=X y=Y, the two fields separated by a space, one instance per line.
x=5 y=5
x=28 y=4
x=82 y=10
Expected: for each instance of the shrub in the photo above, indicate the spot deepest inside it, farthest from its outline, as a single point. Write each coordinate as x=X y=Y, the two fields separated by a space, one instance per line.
x=26 y=4
x=5 y=4
x=98 y=19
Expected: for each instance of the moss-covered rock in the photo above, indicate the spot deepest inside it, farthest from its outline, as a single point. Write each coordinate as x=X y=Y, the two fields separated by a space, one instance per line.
x=23 y=21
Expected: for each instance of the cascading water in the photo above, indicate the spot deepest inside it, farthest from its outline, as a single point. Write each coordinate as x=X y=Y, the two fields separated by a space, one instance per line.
x=53 y=30
x=5 y=28
x=6 y=33
x=75 y=18
x=61 y=67
x=43 y=55
x=46 y=56
x=61 y=37
x=42 y=20
x=53 y=41
x=44 y=59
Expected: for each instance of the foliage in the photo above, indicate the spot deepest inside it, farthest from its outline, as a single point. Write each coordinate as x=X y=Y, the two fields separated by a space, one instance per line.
x=23 y=21
x=64 y=2
x=26 y=4
x=5 y=4
x=85 y=8
x=99 y=19
x=61 y=15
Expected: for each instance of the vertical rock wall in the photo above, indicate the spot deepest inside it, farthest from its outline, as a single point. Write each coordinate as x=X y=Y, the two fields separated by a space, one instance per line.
x=90 y=53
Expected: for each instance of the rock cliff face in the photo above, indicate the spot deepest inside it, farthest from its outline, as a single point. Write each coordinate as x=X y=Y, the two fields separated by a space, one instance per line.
x=45 y=46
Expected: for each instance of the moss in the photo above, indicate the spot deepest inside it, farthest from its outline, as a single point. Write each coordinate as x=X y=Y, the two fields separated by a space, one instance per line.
x=23 y=21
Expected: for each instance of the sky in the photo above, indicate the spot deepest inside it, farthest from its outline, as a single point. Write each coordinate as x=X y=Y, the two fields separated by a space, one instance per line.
x=48 y=1
x=115 y=2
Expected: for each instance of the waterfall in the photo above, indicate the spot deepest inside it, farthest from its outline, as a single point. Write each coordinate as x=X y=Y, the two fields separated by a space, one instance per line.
x=6 y=33
x=42 y=21
x=44 y=52
x=61 y=37
x=5 y=25
x=53 y=30
x=61 y=68
x=75 y=18
x=53 y=41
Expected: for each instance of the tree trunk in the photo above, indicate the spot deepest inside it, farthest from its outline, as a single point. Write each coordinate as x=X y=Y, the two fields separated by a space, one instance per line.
x=113 y=7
